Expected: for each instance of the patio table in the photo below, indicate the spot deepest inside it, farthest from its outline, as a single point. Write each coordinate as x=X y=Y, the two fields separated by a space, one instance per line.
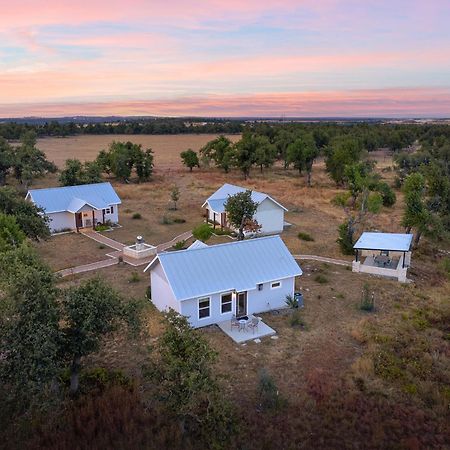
x=243 y=324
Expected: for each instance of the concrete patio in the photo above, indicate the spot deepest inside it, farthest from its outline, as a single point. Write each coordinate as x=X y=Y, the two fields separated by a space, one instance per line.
x=247 y=334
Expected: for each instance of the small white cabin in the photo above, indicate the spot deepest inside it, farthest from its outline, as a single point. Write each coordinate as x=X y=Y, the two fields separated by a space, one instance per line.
x=210 y=284
x=270 y=213
x=77 y=207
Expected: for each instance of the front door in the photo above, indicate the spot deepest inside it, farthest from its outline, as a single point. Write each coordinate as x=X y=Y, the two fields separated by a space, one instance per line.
x=241 y=304
x=78 y=220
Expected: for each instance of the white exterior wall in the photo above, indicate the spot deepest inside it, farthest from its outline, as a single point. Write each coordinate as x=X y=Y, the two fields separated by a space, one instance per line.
x=211 y=215
x=61 y=221
x=257 y=301
x=114 y=217
x=399 y=273
x=270 y=216
x=161 y=292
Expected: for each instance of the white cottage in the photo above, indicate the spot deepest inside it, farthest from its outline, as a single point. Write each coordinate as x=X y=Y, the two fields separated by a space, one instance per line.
x=209 y=284
x=270 y=213
x=76 y=207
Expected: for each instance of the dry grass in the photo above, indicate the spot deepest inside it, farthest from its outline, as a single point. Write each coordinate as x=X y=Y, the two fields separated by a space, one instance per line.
x=69 y=250
x=167 y=148
x=334 y=341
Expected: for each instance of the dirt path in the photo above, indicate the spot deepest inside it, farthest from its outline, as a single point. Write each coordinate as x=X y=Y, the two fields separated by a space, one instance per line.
x=339 y=262
x=114 y=256
x=91 y=234
x=182 y=237
x=88 y=267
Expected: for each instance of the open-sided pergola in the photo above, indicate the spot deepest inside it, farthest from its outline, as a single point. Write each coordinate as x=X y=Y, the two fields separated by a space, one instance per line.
x=384 y=242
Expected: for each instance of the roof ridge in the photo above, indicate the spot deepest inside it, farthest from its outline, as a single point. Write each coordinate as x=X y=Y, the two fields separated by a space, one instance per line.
x=67 y=187
x=208 y=247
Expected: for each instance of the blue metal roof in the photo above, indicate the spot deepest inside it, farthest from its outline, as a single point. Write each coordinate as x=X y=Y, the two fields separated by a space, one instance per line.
x=384 y=241
x=217 y=200
x=197 y=244
x=73 y=198
x=239 y=266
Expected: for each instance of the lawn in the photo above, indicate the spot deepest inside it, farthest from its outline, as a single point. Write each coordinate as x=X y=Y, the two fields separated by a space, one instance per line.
x=70 y=250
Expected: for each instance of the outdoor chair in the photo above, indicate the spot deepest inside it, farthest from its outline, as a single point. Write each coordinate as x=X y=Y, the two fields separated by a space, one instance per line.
x=254 y=324
x=235 y=323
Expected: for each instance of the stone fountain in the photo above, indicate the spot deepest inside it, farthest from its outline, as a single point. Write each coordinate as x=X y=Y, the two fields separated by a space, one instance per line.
x=140 y=249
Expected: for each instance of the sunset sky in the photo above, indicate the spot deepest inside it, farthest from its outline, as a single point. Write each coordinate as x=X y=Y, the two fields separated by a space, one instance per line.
x=225 y=58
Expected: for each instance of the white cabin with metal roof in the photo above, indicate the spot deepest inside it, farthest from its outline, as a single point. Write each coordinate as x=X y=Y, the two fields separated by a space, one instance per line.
x=210 y=284
x=383 y=254
x=77 y=207
x=270 y=213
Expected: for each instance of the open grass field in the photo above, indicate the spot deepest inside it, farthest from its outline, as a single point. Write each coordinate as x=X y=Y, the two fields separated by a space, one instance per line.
x=85 y=148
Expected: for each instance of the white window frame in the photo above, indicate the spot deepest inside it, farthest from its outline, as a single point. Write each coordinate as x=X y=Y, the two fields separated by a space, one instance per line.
x=275 y=282
x=200 y=300
x=230 y=302
x=108 y=211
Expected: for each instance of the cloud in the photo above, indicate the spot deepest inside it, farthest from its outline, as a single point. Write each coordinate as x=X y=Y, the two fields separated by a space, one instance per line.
x=355 y=103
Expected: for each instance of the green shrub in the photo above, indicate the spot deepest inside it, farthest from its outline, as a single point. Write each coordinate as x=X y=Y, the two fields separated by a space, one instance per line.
x=305 y=236
x=134 y=278
x=322 y=279
x=387 y=194
x=136 y=216
x=220 y=232
x=97 y=379
x=179 y=245
x=291 y=302
x=166 y=220
x=179 y=220
x=296 y=320
x=445 y=265
x=202 y=232
x=102 y=227
x=269 y=396
x=345 y=239
x=367 y=299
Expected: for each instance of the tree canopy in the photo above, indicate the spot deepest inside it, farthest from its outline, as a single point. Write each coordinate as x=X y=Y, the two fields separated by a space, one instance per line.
x=30 y=218
x=240 y=209
x=190 y=159
x=122 y=157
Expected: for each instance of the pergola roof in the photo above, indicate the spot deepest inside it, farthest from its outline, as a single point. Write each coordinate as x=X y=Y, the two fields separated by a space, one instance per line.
x=384 y=241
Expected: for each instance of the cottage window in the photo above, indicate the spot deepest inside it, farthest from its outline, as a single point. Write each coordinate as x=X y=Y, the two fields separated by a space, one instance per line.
x=260 y=287
x=226 y=303
x=107 y=211
x=275 y=284
x=112 y=209
x=204 y=308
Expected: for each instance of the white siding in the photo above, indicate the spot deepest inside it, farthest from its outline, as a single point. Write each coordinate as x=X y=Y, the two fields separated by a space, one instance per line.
x=61 y=221
x=264 y=300
x=270 y=216
x=269 y=299
x=162 y=295
x=189 y=308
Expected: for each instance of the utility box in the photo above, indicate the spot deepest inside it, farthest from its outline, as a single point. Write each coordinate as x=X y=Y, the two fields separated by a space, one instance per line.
x=299 y=297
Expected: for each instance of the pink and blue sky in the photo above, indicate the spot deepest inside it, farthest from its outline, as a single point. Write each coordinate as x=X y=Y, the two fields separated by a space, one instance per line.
x=225 y=58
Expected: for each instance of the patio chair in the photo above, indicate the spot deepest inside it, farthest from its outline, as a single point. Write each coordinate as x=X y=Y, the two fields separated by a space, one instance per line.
x=234 y=322
x=254 y=324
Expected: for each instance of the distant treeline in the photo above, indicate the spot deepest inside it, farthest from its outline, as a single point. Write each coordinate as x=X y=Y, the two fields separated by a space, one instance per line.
x=373 y=134
x=13 y=130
